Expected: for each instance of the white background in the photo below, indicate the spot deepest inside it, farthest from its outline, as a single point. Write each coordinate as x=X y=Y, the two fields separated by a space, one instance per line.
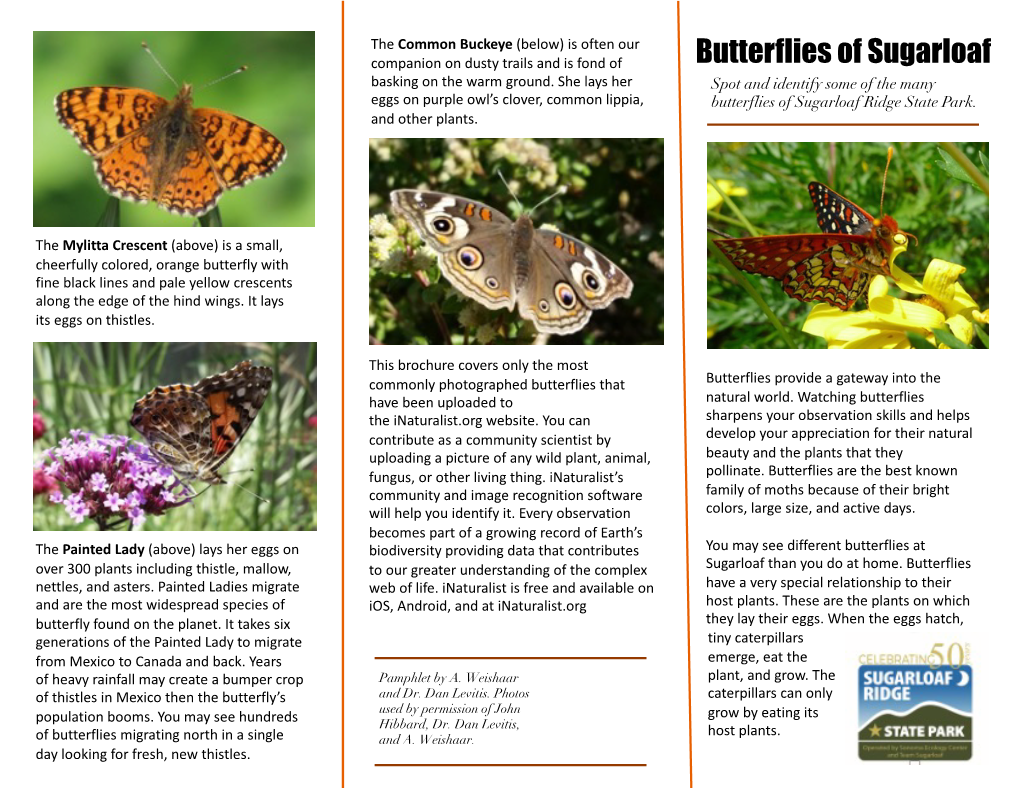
x=604 y=712
x=579 y=711
x=975 y=522
x=309 y=751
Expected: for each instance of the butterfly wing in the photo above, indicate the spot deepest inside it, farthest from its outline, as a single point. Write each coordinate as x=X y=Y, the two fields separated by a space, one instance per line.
x=472 y=239
x=234 y=399
x=194 y=429
x=567 y=279
x=836 y=214
x=110 y=124
x=238 y=150
x=175 y=422
x=193 y=187
x=102 y=117
x=818 y=267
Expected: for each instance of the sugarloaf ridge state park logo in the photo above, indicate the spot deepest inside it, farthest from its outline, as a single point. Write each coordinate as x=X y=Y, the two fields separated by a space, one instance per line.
x=914 y=713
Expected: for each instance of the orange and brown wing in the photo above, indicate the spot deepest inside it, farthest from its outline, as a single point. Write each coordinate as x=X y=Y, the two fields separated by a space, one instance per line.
x=234 y=399
x=110 y=125
x=194 y=429
x=125 y=171
x=195 y=188
x=811 y=267
x=101 y=117
x=238 y=149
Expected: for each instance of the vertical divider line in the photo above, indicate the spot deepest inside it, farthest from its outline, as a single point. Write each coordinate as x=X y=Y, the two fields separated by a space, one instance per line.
x=683 y=341
x=343 y=409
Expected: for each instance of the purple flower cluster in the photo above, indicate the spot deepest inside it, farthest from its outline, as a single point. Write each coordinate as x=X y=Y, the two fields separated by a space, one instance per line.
x=111 y=480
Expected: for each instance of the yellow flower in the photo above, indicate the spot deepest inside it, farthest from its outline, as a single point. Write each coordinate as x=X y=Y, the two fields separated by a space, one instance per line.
x=943 y=303
x=715 y=199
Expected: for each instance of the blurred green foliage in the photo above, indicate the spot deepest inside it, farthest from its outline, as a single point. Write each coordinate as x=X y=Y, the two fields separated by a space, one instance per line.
x=94 y=386
x=948 y=215
x=614 y=201
x=277 y=92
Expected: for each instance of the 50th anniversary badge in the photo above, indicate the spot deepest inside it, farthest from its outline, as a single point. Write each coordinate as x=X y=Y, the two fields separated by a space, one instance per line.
x=915 y=712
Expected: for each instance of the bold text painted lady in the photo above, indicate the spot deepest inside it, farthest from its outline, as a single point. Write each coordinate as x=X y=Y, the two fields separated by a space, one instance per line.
x=194 y=429
x=147 y=148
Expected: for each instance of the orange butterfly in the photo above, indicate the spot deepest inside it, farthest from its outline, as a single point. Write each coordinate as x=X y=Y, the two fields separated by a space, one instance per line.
x=148 y=148
x=194 y=429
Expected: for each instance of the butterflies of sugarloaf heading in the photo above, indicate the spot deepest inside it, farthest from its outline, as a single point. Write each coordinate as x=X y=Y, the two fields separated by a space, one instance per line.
x=146 y=148
x=194 y=429
x=556 y=281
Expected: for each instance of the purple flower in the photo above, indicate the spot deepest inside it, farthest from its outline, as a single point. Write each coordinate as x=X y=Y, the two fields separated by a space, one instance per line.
x=110 y=479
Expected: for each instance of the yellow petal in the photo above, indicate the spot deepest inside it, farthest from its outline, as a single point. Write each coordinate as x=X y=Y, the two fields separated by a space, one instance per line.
x=962 y=303
x=715 y=199
x=897 y=250
x=847 y=327
x=940 y=280
x=907 y=314
x=879 y=287
x=880 y=340
x=906 y=282
x=961 y=327
x=823 y=318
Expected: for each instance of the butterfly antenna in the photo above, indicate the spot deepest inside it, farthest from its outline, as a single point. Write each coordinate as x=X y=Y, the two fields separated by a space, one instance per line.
x=253 y=495
x=881 y=203
x=499 y=172
x=559 y=192
x=193 y=497
x=146 y=48
x=236 y=71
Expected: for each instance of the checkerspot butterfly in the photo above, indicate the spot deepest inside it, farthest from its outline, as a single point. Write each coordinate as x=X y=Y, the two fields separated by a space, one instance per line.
x=834 y=266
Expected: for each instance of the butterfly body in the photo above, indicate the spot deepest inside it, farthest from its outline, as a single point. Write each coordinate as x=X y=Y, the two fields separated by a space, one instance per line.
x=555 y=281
x=146 y=148
x=834 y=266
x=195 y=428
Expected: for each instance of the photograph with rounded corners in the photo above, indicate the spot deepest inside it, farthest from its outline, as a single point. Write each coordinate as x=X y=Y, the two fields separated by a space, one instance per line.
x=139 y=436
x=174 y=129
x=516 y=241
x=848 y=245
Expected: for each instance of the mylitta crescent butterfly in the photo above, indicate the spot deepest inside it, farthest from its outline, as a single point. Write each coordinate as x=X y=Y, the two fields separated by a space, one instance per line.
x=146 y=148
x=194 y=429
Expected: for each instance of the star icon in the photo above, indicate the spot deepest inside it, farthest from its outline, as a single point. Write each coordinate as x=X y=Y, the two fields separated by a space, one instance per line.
x=874 y=730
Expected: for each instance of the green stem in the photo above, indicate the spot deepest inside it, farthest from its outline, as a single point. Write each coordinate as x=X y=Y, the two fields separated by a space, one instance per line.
x=751 y=229
x=961 y=158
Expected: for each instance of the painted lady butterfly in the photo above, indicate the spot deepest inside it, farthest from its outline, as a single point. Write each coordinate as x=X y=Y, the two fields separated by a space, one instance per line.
x=194 y=429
